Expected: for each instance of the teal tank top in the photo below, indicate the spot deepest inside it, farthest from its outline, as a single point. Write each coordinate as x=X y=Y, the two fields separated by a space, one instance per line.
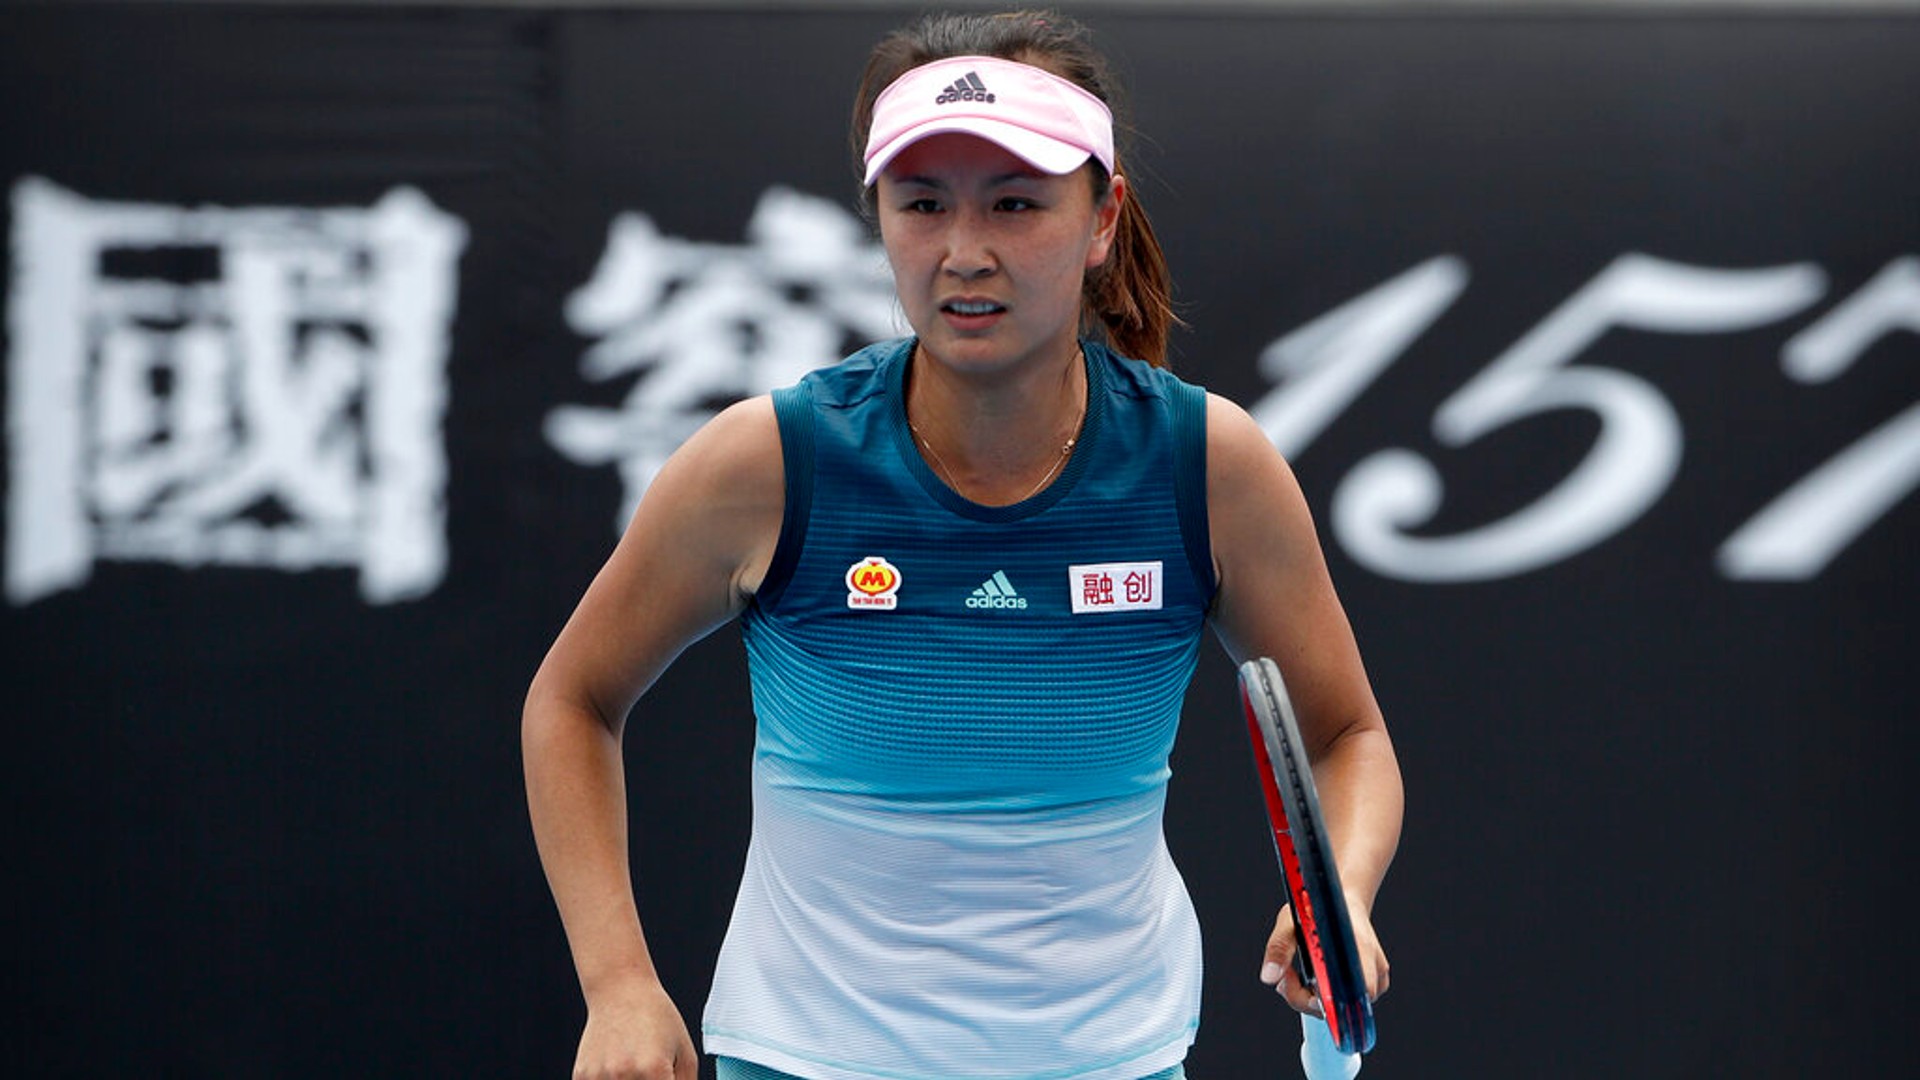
x=958 y=869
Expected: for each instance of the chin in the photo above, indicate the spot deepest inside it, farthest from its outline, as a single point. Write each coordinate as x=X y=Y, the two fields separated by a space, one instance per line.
x=972 y=354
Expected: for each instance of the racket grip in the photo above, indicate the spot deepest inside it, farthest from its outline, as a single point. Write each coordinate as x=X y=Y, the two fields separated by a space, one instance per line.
x=1319 y=1058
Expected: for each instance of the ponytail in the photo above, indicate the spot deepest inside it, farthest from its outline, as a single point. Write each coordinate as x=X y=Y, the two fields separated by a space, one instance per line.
x=1129 y=298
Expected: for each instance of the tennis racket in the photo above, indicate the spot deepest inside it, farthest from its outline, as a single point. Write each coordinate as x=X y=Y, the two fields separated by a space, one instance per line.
x=1325 y=958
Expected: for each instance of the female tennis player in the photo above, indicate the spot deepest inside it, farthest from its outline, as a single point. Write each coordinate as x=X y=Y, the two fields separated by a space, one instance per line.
x=973 y=568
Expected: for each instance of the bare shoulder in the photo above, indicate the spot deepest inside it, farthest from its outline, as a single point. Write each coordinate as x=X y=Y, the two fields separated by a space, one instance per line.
x=722 y=493
x=1249 y=485
x=1236 y=447
x=1266 y=550
x=740 y=446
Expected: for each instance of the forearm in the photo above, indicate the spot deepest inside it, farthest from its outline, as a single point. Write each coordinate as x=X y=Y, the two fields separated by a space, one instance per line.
x=576 y=796
x=1358 y=781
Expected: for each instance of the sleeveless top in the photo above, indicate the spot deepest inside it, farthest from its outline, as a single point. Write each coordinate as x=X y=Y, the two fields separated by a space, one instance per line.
x=964 y=714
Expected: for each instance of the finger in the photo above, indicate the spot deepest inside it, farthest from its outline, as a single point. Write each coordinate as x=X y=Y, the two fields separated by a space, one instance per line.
x=1379 y=978
x=1280 y=947
x=1278 y=969
x=1297 y=995
x=1373 y=958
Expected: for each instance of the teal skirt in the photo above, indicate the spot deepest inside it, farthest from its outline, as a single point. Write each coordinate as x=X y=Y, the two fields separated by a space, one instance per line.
x=735 y=1069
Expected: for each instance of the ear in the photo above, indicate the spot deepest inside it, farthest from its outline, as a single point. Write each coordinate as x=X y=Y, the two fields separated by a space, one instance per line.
x=1106 y=220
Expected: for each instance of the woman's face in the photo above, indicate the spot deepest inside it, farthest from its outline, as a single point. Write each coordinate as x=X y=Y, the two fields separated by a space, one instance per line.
x=988 y=253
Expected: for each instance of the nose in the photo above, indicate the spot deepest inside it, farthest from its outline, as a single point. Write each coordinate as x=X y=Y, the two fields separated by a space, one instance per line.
x=969 y=251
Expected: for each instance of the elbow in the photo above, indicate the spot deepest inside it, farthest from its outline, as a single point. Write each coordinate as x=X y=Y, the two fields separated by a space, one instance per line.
x=555 y=713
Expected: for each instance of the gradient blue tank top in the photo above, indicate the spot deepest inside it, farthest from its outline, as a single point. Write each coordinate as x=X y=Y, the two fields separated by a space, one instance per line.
x=964 y=715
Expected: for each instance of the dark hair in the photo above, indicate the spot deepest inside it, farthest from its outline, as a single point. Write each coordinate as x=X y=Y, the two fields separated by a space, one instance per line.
x=1130 y=296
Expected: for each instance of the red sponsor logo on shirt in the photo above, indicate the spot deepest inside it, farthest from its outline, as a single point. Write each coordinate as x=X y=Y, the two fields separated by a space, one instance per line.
x=1129 y=586
x=872 y=584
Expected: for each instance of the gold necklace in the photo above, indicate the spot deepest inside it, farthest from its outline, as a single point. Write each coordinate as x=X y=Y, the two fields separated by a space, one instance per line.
x=1066 y=450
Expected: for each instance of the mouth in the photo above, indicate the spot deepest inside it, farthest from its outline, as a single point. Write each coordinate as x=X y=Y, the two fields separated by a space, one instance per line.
x=972 y=308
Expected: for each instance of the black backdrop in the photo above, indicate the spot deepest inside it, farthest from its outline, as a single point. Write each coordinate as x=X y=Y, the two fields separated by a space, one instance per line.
x=267 y=820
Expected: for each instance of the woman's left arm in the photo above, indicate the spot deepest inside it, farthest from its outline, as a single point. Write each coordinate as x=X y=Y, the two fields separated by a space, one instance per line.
x=1276 y=600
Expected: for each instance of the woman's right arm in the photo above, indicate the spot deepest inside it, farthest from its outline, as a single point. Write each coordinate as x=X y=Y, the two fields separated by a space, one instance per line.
x=693 y=554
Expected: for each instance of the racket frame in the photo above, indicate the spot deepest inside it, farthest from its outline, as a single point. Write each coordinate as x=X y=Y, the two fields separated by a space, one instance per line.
x=1325 y=957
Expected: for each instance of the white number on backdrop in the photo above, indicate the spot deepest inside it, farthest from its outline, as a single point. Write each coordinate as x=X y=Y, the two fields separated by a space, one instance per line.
x=1631 y=463
x=1323 y=367
x=1800 y=532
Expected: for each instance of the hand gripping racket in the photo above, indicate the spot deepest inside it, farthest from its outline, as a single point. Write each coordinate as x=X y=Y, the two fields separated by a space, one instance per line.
x=1325 y=957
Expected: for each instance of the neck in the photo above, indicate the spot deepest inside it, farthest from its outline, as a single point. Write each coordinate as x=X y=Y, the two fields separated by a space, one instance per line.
x=997 y=441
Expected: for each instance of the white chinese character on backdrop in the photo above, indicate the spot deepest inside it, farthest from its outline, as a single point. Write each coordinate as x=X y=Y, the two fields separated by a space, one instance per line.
x=705 y=325
x=255 y=387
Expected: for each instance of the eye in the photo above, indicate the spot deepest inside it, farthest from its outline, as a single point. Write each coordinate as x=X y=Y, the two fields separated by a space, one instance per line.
x=922 y=205
x=1016 y=204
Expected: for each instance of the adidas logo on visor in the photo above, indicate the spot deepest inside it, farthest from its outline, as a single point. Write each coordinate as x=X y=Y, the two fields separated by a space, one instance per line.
x=969 y=88
x=996 y=592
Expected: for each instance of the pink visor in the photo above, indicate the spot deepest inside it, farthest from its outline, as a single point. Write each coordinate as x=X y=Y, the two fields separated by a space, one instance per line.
x=1036 y=115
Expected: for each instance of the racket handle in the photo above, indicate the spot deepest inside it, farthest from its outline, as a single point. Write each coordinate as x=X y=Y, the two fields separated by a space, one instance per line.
x=1319 y=1058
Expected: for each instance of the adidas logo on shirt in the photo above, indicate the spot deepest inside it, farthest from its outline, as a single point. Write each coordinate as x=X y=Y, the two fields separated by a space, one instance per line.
x=996 y=592
x=967 y=89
